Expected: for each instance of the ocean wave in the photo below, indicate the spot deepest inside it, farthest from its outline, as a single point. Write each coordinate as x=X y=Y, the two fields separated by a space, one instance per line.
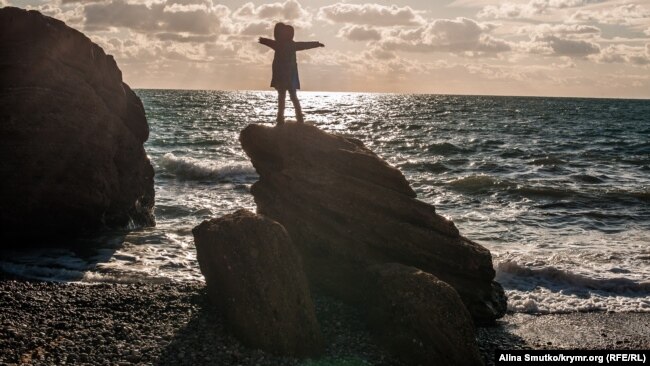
x=446 y=148
x=586 y=178
x=512 y=153
x=563 y=280
x=430 y=167
x=643 y=195
x=549 y=160
x=193 y=169
x=542 y=191
x=41 y=272
x=478 y=183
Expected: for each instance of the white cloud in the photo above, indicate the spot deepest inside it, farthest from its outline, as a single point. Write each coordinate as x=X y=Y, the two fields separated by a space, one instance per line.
x=559 y=30
x=169 y=16
x=250 y=19
x=359 y=33
x=289 y=10
x=377 y=53
x=72 y=16
x=533 y=8
x=460 y=35
x=185 y=37
x=370 y=14
x=622 y=14
x=254 y=28
x=79 y=1
x=639 y=56
x=551 y=45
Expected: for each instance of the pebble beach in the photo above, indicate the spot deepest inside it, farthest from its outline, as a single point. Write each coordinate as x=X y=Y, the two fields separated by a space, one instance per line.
x=53 y=323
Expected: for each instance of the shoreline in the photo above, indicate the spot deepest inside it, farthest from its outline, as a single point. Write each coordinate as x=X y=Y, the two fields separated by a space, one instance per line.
x=166 y=324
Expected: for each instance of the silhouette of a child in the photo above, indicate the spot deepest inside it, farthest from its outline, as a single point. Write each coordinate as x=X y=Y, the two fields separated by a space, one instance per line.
x=285 y=67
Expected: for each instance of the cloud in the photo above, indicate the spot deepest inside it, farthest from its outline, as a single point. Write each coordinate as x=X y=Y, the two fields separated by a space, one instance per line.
x=551 y=45
x=559 y=30
x=370 y=14
x=251 y=20
x=286 y=11
x=73 y=16
x=140 y=49
x=460 y=35
x=622 y=14
x=180 y=37
x=639 y=56
x=359 y=33
x=378 y=53
x=254 y=28
x=170 y=16
x=509 y=10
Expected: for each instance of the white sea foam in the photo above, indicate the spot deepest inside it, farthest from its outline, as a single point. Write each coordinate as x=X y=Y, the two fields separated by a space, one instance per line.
x=540 y=287
x=565 y=279
x=194 y=169
x=96 y=277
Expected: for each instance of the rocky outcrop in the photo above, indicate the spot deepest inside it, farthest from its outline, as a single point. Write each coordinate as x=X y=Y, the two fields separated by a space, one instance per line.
x=419 y=317
x=71 y=133
x=255 y=275
x=347 y=209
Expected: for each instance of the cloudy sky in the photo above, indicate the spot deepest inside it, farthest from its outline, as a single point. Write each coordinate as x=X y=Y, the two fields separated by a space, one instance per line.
x=595 y=48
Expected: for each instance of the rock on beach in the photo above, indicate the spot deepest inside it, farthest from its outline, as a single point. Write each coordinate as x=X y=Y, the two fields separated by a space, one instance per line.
x=420 y=317
x=346 y=209
x=254 y=274
x=71 y=134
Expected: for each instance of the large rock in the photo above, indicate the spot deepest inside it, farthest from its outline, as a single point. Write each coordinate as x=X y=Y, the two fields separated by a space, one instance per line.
x=71 y=133
x=420 y=318
x=346 y=209
x=255 y=275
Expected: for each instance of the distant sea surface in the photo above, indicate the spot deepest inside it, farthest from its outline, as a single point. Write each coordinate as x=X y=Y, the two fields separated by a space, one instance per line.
x=557 y=188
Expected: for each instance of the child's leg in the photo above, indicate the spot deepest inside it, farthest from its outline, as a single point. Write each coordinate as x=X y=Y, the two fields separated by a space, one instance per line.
x=296 y=105
x=282 y=96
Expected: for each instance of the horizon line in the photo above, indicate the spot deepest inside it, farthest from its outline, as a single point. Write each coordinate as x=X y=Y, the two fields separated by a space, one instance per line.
x=404 y=93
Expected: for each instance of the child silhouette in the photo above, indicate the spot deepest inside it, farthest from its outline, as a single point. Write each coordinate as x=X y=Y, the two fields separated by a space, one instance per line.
x=285 y=67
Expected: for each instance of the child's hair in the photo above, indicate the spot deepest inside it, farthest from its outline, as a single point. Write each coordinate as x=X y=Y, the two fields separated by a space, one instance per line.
x=283 y=32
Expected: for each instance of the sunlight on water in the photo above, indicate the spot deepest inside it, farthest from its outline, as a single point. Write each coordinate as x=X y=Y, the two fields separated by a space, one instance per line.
x=557 y=189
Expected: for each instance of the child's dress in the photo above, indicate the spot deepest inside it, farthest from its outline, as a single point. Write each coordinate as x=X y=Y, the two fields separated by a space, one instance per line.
x=285 y=67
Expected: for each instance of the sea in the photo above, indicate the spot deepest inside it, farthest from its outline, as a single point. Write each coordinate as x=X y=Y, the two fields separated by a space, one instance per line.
x=557 y=188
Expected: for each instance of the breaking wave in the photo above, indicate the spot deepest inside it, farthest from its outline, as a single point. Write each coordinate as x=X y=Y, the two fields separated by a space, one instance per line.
x=554 y=277
x=193 y=169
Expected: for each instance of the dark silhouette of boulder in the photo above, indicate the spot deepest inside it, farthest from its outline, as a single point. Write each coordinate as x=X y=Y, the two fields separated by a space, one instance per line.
x=346 y=209
x=255 y=275
x=71 y=134
x=420 y=318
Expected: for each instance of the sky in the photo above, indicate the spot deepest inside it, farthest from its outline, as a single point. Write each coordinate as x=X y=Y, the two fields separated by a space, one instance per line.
x=585 y=48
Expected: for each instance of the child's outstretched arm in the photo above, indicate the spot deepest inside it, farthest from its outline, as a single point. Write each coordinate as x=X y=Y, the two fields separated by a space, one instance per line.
x=267 y=42
x=307 y=45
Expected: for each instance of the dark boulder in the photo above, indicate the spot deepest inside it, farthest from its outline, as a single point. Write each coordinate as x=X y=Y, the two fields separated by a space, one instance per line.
x=419 y=317
x=71 y=133
x=346 y=209
x=255 y=275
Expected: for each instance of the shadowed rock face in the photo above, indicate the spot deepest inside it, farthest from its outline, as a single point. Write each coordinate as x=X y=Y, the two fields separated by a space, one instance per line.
x=347 y=209
x=255 y=275
x=420 y=317
x=71 y=133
